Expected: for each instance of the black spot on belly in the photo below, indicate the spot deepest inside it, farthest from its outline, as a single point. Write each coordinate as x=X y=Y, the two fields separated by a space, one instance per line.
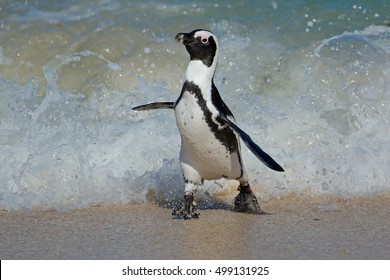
x=225 y=135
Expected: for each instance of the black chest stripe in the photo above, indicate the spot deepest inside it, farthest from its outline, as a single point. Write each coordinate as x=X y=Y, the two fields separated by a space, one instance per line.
x=224 y=135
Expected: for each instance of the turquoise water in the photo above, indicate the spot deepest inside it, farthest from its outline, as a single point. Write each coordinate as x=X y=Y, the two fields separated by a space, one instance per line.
x=308 y=80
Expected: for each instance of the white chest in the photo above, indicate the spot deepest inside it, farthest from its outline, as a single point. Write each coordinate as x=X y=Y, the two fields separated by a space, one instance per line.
x=191 y=121
x=200 y=147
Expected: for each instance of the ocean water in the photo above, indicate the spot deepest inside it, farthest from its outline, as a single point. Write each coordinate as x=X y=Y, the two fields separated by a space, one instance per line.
x=308 y=80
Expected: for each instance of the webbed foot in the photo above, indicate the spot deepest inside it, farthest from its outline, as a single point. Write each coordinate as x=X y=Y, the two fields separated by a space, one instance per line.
x=187 y=209
x=246 y=201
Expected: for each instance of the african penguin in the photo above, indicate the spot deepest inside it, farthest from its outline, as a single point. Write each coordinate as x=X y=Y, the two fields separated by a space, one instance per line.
x=210 y=145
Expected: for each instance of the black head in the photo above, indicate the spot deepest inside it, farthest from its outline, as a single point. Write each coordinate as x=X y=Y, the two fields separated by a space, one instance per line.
x=200 y=44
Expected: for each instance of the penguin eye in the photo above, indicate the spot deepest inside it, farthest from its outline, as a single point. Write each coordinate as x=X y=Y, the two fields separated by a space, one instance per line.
x=205 y=40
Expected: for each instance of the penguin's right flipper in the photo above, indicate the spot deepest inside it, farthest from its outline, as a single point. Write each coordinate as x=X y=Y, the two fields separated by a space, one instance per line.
x=255 y=149
x=154 y=106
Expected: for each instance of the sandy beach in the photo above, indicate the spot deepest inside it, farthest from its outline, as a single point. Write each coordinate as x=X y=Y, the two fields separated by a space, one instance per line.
x=294 y=229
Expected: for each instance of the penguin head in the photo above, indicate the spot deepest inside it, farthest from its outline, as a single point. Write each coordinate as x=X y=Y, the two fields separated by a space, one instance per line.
x=201 y=45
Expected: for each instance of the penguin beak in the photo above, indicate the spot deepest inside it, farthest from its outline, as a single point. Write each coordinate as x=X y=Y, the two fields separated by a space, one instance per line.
x=185 y=38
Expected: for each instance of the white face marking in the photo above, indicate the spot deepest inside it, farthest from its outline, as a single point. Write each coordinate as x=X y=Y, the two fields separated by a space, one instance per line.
x=204 y=37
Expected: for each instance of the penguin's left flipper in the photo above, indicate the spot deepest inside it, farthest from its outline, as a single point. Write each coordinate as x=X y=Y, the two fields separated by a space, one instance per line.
x=154 y=106
x=255 y=149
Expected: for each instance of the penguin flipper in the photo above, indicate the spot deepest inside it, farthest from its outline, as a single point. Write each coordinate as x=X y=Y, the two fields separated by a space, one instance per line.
x=253 y=147
x=154 y=106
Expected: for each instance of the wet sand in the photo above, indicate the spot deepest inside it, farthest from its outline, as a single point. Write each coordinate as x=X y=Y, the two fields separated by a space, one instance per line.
x=295 y=229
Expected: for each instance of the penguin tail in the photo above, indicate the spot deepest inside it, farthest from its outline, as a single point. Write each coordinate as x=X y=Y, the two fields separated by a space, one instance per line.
x=154 y=106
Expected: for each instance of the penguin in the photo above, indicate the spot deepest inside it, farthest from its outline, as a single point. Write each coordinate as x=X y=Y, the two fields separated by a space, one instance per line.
x=210 y=137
